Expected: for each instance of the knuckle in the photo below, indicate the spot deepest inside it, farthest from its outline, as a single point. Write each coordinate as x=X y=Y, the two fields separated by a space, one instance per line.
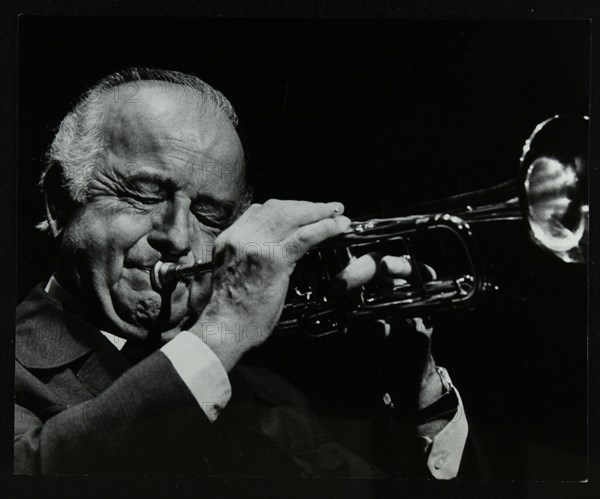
x=303 y=235
x=223 y=240
x=219 y=245
x=251 y=211
x=254 y=206
x=273 y=203
x=223 y=236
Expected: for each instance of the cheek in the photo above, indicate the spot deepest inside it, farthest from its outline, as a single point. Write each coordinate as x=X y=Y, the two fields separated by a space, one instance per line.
x=135 y=279
x=108 y=237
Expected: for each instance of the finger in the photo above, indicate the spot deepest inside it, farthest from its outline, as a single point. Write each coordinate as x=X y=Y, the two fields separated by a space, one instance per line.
x=427 y=272
x=396 y=266
x=401 y=266
x=362 y=270
x=308 y=236
x=358 y=272
x=302 y=213
x=391 y=282
x=419 y=326
x=385 y=326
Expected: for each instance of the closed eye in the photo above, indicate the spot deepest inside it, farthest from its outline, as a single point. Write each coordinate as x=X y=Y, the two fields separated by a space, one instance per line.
x=211 y=222
x=213 y=213
x=147 y=200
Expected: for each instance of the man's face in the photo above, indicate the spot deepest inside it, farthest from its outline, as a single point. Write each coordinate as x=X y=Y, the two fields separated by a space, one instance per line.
x=170 y=182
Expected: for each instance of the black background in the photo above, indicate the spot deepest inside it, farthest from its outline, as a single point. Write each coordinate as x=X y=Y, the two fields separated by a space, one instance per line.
x=378 y=115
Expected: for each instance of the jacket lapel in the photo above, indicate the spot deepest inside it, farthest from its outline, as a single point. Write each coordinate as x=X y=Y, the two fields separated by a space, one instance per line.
x=50 y=336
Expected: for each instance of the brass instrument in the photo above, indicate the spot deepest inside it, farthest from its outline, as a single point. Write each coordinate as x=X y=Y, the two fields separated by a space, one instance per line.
x=550 y=195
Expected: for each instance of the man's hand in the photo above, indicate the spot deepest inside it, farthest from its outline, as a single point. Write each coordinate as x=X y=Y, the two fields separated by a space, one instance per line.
x=253 y=260
x=410 y=367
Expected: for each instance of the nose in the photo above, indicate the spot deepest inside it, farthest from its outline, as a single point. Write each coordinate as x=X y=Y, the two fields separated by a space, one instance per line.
x=171 y=232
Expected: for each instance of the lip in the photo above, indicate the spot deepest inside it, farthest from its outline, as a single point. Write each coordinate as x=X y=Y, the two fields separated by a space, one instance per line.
x=140 y=267
x=150 y=269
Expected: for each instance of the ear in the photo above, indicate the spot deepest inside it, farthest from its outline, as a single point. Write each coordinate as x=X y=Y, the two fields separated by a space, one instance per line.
x=58 y=201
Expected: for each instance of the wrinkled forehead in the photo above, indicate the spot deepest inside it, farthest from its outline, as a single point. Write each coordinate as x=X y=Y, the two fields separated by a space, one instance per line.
x=172 y=127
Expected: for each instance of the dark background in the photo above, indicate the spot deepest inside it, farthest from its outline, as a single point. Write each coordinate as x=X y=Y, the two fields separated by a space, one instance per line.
x=379 y=115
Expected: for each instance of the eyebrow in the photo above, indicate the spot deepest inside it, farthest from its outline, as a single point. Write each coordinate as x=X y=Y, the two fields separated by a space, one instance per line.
x=149 y=177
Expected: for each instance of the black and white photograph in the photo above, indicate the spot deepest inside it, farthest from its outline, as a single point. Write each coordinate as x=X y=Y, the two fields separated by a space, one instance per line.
x=302 y=248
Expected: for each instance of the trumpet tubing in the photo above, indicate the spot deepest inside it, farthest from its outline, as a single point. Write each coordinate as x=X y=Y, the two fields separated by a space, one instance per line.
x=550 y=195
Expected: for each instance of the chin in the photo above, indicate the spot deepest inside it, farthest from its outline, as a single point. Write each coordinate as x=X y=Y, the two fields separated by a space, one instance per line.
x=134 y=310
x=144 y=314
x=154 y=332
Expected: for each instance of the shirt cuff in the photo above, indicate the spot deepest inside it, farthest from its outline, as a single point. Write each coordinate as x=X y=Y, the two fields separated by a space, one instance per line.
x=201 y=370
x=445 y=449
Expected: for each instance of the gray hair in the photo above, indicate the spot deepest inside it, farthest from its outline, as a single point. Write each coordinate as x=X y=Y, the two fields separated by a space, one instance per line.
x=79 y=141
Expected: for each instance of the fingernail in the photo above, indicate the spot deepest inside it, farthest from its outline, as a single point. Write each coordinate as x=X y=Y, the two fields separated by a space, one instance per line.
x=338 y=210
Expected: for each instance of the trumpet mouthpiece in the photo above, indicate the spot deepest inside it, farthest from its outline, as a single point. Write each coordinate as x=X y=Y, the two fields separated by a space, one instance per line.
x=165 y=273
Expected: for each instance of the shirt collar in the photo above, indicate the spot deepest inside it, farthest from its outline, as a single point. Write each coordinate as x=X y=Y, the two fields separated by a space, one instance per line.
x=58 y=292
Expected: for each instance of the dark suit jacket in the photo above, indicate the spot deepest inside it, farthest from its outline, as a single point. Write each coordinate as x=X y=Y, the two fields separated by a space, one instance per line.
x=82 y=407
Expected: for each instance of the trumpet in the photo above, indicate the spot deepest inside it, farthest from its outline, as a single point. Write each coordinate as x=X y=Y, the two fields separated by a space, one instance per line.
x=549 y=195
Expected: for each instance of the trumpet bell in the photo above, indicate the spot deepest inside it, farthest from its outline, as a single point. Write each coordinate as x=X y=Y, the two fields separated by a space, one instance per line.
x=555 y=197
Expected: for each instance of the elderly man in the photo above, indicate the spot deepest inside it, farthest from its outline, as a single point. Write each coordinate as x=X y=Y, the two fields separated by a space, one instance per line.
x=114 y=375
